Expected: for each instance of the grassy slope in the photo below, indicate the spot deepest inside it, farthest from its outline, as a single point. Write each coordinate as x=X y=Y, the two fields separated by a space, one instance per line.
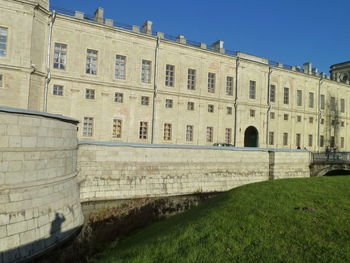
x=253 y=223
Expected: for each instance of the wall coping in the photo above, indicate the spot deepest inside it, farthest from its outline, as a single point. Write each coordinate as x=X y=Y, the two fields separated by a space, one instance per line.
x=38 y=113
x=180 y=146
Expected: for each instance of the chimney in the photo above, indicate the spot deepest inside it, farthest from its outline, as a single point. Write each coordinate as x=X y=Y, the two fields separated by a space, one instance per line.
x=98 y=16
x=181 y=39
x=147 y=27
x=218 y=46
x=308 y=68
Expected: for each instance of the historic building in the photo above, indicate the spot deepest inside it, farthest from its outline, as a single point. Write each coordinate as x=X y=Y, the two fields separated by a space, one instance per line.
x=131 y=84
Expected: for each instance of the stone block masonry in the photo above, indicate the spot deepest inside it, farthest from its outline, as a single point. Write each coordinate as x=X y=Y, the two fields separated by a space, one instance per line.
x=123 y=171
x=39 y=194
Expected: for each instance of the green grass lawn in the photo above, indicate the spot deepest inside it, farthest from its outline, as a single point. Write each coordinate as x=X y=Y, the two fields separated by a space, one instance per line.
x=259 y=222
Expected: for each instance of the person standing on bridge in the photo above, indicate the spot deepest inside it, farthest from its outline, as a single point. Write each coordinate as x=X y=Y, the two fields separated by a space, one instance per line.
x=327 y=152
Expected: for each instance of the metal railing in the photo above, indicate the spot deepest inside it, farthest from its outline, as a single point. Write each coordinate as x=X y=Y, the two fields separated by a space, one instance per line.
x=331 y=157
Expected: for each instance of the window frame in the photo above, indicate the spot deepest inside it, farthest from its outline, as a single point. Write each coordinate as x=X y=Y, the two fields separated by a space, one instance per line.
x=91 y=62
x=4 y=51
x=211 y=82
x=191 y=79
x=169 y=75
x=117 y=128
x=90 y=94
x=120 y=67
x=88 y=127
x=146 y=71
x=57 y=90
x=60 y=61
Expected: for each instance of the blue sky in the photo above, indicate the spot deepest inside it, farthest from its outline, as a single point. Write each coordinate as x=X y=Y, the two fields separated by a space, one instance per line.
x=290 y=32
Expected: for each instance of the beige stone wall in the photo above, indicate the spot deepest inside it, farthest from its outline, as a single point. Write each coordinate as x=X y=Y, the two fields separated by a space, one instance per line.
x=39 y=194
x=130 y=171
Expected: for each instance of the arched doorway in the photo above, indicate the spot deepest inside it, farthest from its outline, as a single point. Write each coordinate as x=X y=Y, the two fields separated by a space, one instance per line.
x=251 y=137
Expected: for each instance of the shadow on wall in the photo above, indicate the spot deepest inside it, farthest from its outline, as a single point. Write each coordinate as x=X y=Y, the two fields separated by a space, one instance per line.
x=37 y=248
x=337 y=173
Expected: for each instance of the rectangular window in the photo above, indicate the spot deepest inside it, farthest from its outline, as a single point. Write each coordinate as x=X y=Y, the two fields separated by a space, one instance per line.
x=210 y=131
x=311 y=119
x=272 y=93
x=146 y=71
x=271 y=138
x=120 y=67
x=211 y=82
x=60 y=56
x=322 y=102
x=189 y=133
x=298 y=118
x=333 y=123
x=167 y=132
x=91 y=61
x=144 y=100
x=322 y=121
x=229 y=86
x=342 y=105
x=272 y=115
x=57 y=90
x=332 y=104
x=168 y=103
x=90 y=94
x=298 y=140
x=286 y=96
x=1 y=81
x=321 y=141
x=229 y=110
x=190 y=105
x=285 y=139
x=299 y=97
x=310 y=140
x=210 y=108
x=118 y=97
x=143 y=134
x=88 y=126
x=117 y=128
x=169 y=75
x=285 y=117
x=191 y=79
x=342 y=123
x=252 y=113
x=3 y=41
x=252 y=89
x=228 y=135
x=332 y=141
x=342 y=142
x=311 y=99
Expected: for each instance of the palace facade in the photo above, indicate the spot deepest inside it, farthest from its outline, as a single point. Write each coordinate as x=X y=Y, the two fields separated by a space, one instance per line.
x=132 y=84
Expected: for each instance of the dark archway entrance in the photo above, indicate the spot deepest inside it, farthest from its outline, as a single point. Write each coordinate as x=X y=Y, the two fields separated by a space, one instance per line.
x=251 y=137
x=337 y=173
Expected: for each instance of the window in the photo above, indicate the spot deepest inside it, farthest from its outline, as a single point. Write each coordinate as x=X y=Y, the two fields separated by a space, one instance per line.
x=120 y=67
x=91 y=62
x=211 y=82
x=168 y=103
x=143 y=134
x=90 y=94
x=60 y=56
x=118 y=97
x=342 y=105
x=1 y=81
x=311 y=119
x=210 y=131
x=3 y=41
x=286 y=95
x=272 y=93
x=332 y=104
x=311 y=99
x=332 y=141
x=271 y=138
x=285 y=117
x=167 y=132
x=190 y=105
x=272 y=115
x=299 y=97
x=322 y=102
x=252 y=89
x=146 y=71
x=298 y=140
x=310 y=140
x=189 y=133
x=333 y=123
x=229 y=86
x=321 y=141
x=342 y=123
x=117 y=128
x=57 y=90
x=210 y=108
x=322 y=121
x=228 y=135
x=229 y=110
x=191 y=79
x=88 y=126
x=298 y=118
x=285 y=139
x=144 y=100
x=252 y=113
x=342 y=142
x=169 y=75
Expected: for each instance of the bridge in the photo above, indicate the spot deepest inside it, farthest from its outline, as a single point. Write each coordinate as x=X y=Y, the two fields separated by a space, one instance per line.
x=330 y=164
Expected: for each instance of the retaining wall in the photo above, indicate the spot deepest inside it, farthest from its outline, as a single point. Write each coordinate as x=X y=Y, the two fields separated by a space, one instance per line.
x=39 y=194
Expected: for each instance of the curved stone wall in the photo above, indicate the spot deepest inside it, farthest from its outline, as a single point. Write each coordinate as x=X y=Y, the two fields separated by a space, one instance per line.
x=39 y=193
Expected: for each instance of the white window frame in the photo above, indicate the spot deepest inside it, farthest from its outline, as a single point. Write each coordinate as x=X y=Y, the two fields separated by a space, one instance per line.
x=169 y=75
x=91 y=61
x=60 y=56
x=120 y=67
x=3 y=41
x=57 y=90
x=146 y=71
x=211 y=82
x=191 y=79
x=88 y=128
